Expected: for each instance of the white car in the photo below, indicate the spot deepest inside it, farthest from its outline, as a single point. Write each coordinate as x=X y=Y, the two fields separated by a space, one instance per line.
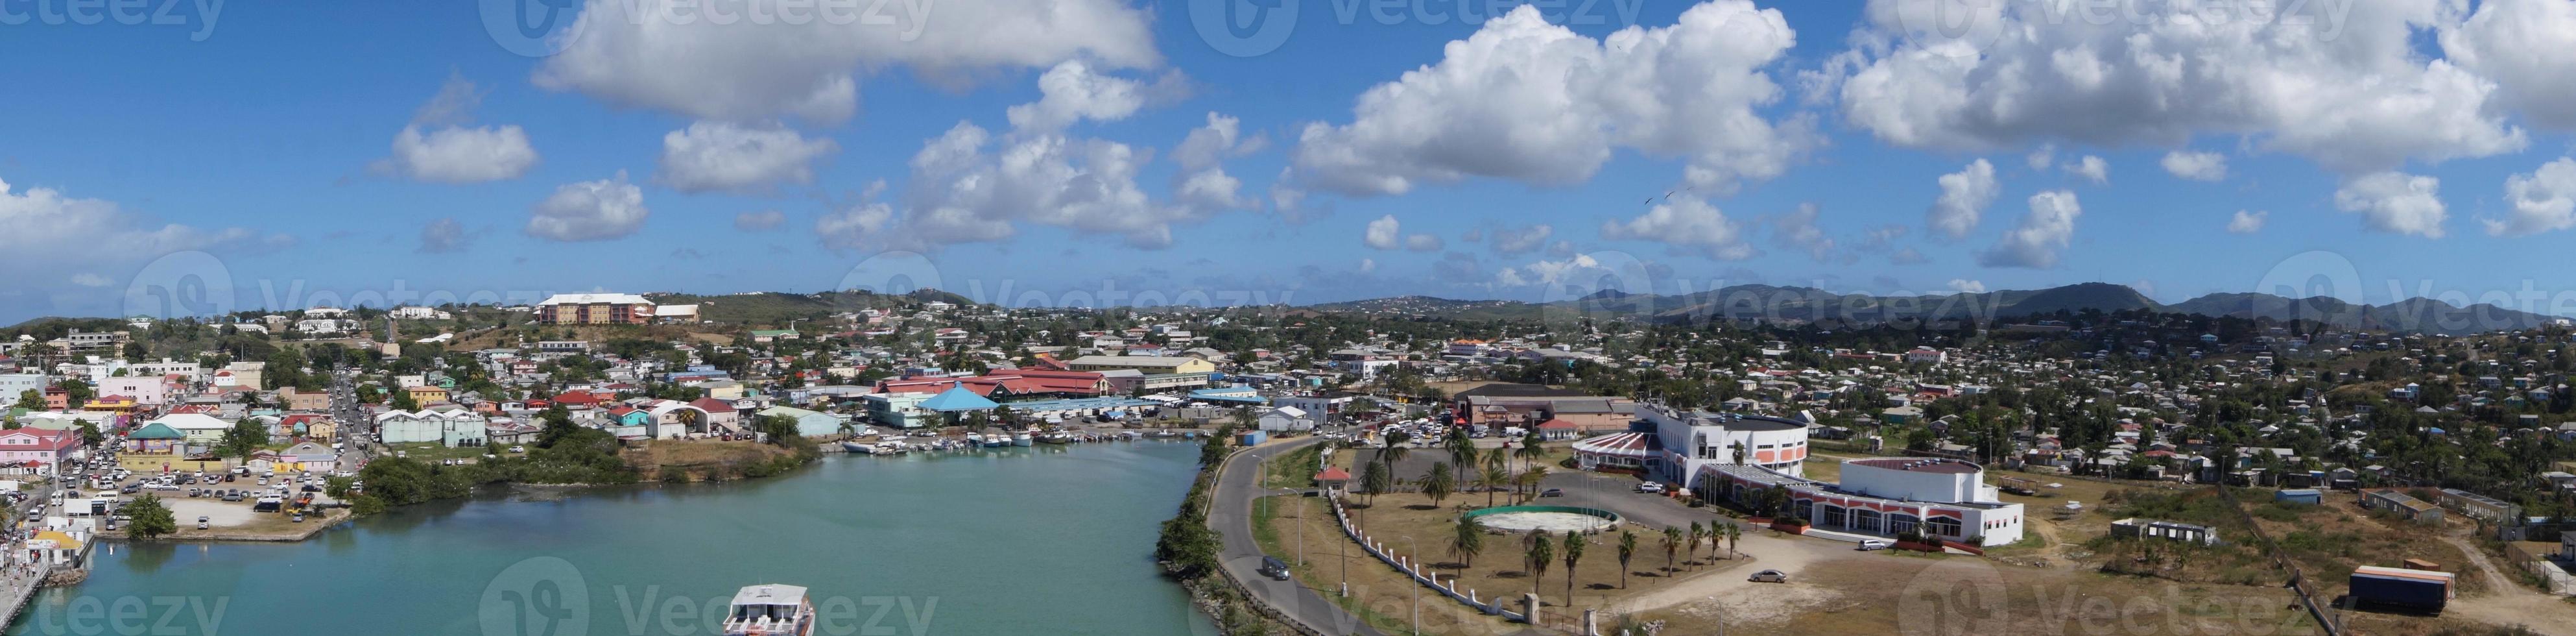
x=1651 y=488
x=518 y=449
x=1874 y=544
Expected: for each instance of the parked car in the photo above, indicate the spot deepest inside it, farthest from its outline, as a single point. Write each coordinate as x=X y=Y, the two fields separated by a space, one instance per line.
x=1651 y=488
x=203 y=522
x=1874 y=544
x=1769 y=576
x=1274 y=568
x=1552 y=492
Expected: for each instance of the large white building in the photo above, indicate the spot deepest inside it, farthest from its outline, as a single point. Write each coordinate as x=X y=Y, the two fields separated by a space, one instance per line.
x=1946 y=499
x=1688 y=441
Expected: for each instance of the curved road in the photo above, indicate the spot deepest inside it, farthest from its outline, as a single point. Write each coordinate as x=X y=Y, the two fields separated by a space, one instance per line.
x=1230 y=512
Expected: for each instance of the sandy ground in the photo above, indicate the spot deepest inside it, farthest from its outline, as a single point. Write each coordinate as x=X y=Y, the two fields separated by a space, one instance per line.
x=2506 y=601
x=1762 y=552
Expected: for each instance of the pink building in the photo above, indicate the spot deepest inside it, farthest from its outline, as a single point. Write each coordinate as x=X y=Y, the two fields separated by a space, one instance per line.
x=37 y=450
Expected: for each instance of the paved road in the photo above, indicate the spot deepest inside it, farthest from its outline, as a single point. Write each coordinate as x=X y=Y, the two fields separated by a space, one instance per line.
x=1230 y=513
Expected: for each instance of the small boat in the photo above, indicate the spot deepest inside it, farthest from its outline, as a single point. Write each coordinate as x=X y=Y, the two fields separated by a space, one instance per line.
x=770 y=610
x=856 y=447
x=1023 y=439
x=975 y=438
x=997 y=440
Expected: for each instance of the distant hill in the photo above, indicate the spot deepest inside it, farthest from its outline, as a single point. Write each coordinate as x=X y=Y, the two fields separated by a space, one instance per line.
x=1807 y=304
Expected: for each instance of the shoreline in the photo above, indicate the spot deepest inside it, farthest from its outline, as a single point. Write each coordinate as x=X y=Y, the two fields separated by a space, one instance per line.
x=331 y=518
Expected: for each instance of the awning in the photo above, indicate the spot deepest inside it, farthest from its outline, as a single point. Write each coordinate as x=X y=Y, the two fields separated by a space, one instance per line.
x=1620 y=444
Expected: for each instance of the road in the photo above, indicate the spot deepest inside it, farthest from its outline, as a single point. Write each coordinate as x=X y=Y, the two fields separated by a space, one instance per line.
x=1230 y=512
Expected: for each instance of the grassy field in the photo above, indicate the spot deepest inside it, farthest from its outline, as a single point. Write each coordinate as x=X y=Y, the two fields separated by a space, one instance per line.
x=1500 y=566
x=435 y=452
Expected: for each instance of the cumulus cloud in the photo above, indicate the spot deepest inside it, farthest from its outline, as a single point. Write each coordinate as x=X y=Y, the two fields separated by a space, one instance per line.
x=1964 y=197
x=1529 y=101
x=715 y=155
x=2395 y=202
x=1201 y=182
x=86 y=279
x=1798 y=230
x=760 y=221
x=2091 y=168
x=2543 y=200
x=443 y=235
x=2043 y=157
x=590 y=211
x=2247 y=222
x=2356 y=100
x=855 y=227
x=962 y=193
x=811 y=68
x=1386 y=233
x=1688 y=225
x=2196 y=166
x=2524 y=46
x=1072 y=93
x=56 y=237
x=1965 y=286
x=1510 y=241
x=1908 y=256
x=438 y=147
x=2034 y=244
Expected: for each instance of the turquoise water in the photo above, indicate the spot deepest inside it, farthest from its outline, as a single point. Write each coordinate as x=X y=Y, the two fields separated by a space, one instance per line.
x=1045 y=540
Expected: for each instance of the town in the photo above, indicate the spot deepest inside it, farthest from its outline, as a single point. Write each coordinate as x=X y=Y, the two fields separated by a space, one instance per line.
x=2370 y=481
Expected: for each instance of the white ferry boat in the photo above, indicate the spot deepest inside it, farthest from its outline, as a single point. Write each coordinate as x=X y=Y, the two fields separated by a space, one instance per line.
x=770 y=610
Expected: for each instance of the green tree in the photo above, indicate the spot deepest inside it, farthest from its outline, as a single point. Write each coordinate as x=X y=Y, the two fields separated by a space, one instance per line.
x=1627 y=550
x=31 y=399
x=1691 y=549
x=1468 y=540
x=1541 y=553
x=1672 y=544
x=244 y=438
x=1376 y=478
x=90 y=434
x=1437 y=484
x=1573 y=553
x=780 y=429
x=151 y=518
x=1733 y=534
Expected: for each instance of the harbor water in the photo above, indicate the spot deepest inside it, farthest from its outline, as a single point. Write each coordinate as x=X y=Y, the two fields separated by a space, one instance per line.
x=1043 y=540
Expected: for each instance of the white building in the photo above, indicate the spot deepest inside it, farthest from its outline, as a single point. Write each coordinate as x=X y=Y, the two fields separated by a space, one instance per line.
x=1692 y=440
x=1286 y=418
x=418 y=313
x=446 y=426
x=1946 y=499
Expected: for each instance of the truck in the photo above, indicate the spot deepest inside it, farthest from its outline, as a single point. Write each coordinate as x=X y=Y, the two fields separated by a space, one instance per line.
x=2419 y=590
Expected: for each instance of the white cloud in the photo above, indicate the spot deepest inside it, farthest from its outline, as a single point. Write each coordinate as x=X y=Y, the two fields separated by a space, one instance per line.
x=2196 y=166
x=757 y=71
x=1385 y=233
x=86 y=279
x=1965 y=286
x=2042 y=158
x=2247 y=222
x=854 y=227
x=1798 y=230
x=1964 y=197
x=1201 y=182
x=2543 y=200
x=437 y=147
x=960 y=193
x=1908 y=256
x=2395 y=202
x=760 y=221
x=2048 y=228
x=1529 y=101
x=590 y=211
x=2356 y=99
x=2524 y=45
x=1688 y=224
x=1422 y=243
x=2091 y=168
x=444 y=235
x=1509 y=241
x=54 y=237
x=715 y=155
x=1071 y=92
x=1368 y=265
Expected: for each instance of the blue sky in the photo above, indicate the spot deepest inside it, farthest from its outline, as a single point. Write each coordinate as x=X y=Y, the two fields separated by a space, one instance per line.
x=2389 y=141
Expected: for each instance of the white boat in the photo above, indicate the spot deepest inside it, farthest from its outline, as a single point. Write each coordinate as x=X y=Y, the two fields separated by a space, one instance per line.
x=856 y=447
x=997 y=440
x=975 y=438
x=1023 y=439
x=770 y=610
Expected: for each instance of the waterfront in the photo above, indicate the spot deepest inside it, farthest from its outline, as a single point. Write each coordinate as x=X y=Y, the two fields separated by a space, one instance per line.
x=1051 y=539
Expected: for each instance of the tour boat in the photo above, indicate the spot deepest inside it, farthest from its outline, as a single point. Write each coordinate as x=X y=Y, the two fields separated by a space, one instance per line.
x=770 y=610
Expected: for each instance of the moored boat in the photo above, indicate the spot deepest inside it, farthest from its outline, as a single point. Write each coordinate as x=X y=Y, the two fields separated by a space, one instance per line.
x=770 y=610
x=1023 y=439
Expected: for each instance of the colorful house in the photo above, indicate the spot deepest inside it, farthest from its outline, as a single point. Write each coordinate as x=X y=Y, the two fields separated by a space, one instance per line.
x=156 y=439
x=38 y=450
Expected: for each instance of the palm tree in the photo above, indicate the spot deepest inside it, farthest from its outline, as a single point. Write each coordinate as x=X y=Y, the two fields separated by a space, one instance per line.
x=1395 y=449
x=1462 y=452
x=1541 y=552
x=1672 y=542
x=1529 y=479
x=1733 y=534
x=1468 y=541
x=1627 y=550
x=1529 y=451
x=1573 y=554
x=1692 y=549
x=1437 y=483
x=849 y=429
x=1376 y=478
x=1492 y=478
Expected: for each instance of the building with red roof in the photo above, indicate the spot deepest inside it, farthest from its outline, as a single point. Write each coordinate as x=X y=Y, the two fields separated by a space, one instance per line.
x=37 y=450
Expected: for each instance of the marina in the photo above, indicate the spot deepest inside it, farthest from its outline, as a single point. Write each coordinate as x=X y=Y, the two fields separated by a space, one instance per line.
x=862 y=535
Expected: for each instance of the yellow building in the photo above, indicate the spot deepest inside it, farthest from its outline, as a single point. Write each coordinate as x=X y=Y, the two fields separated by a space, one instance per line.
x=427 y=394
x=1150 y=365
